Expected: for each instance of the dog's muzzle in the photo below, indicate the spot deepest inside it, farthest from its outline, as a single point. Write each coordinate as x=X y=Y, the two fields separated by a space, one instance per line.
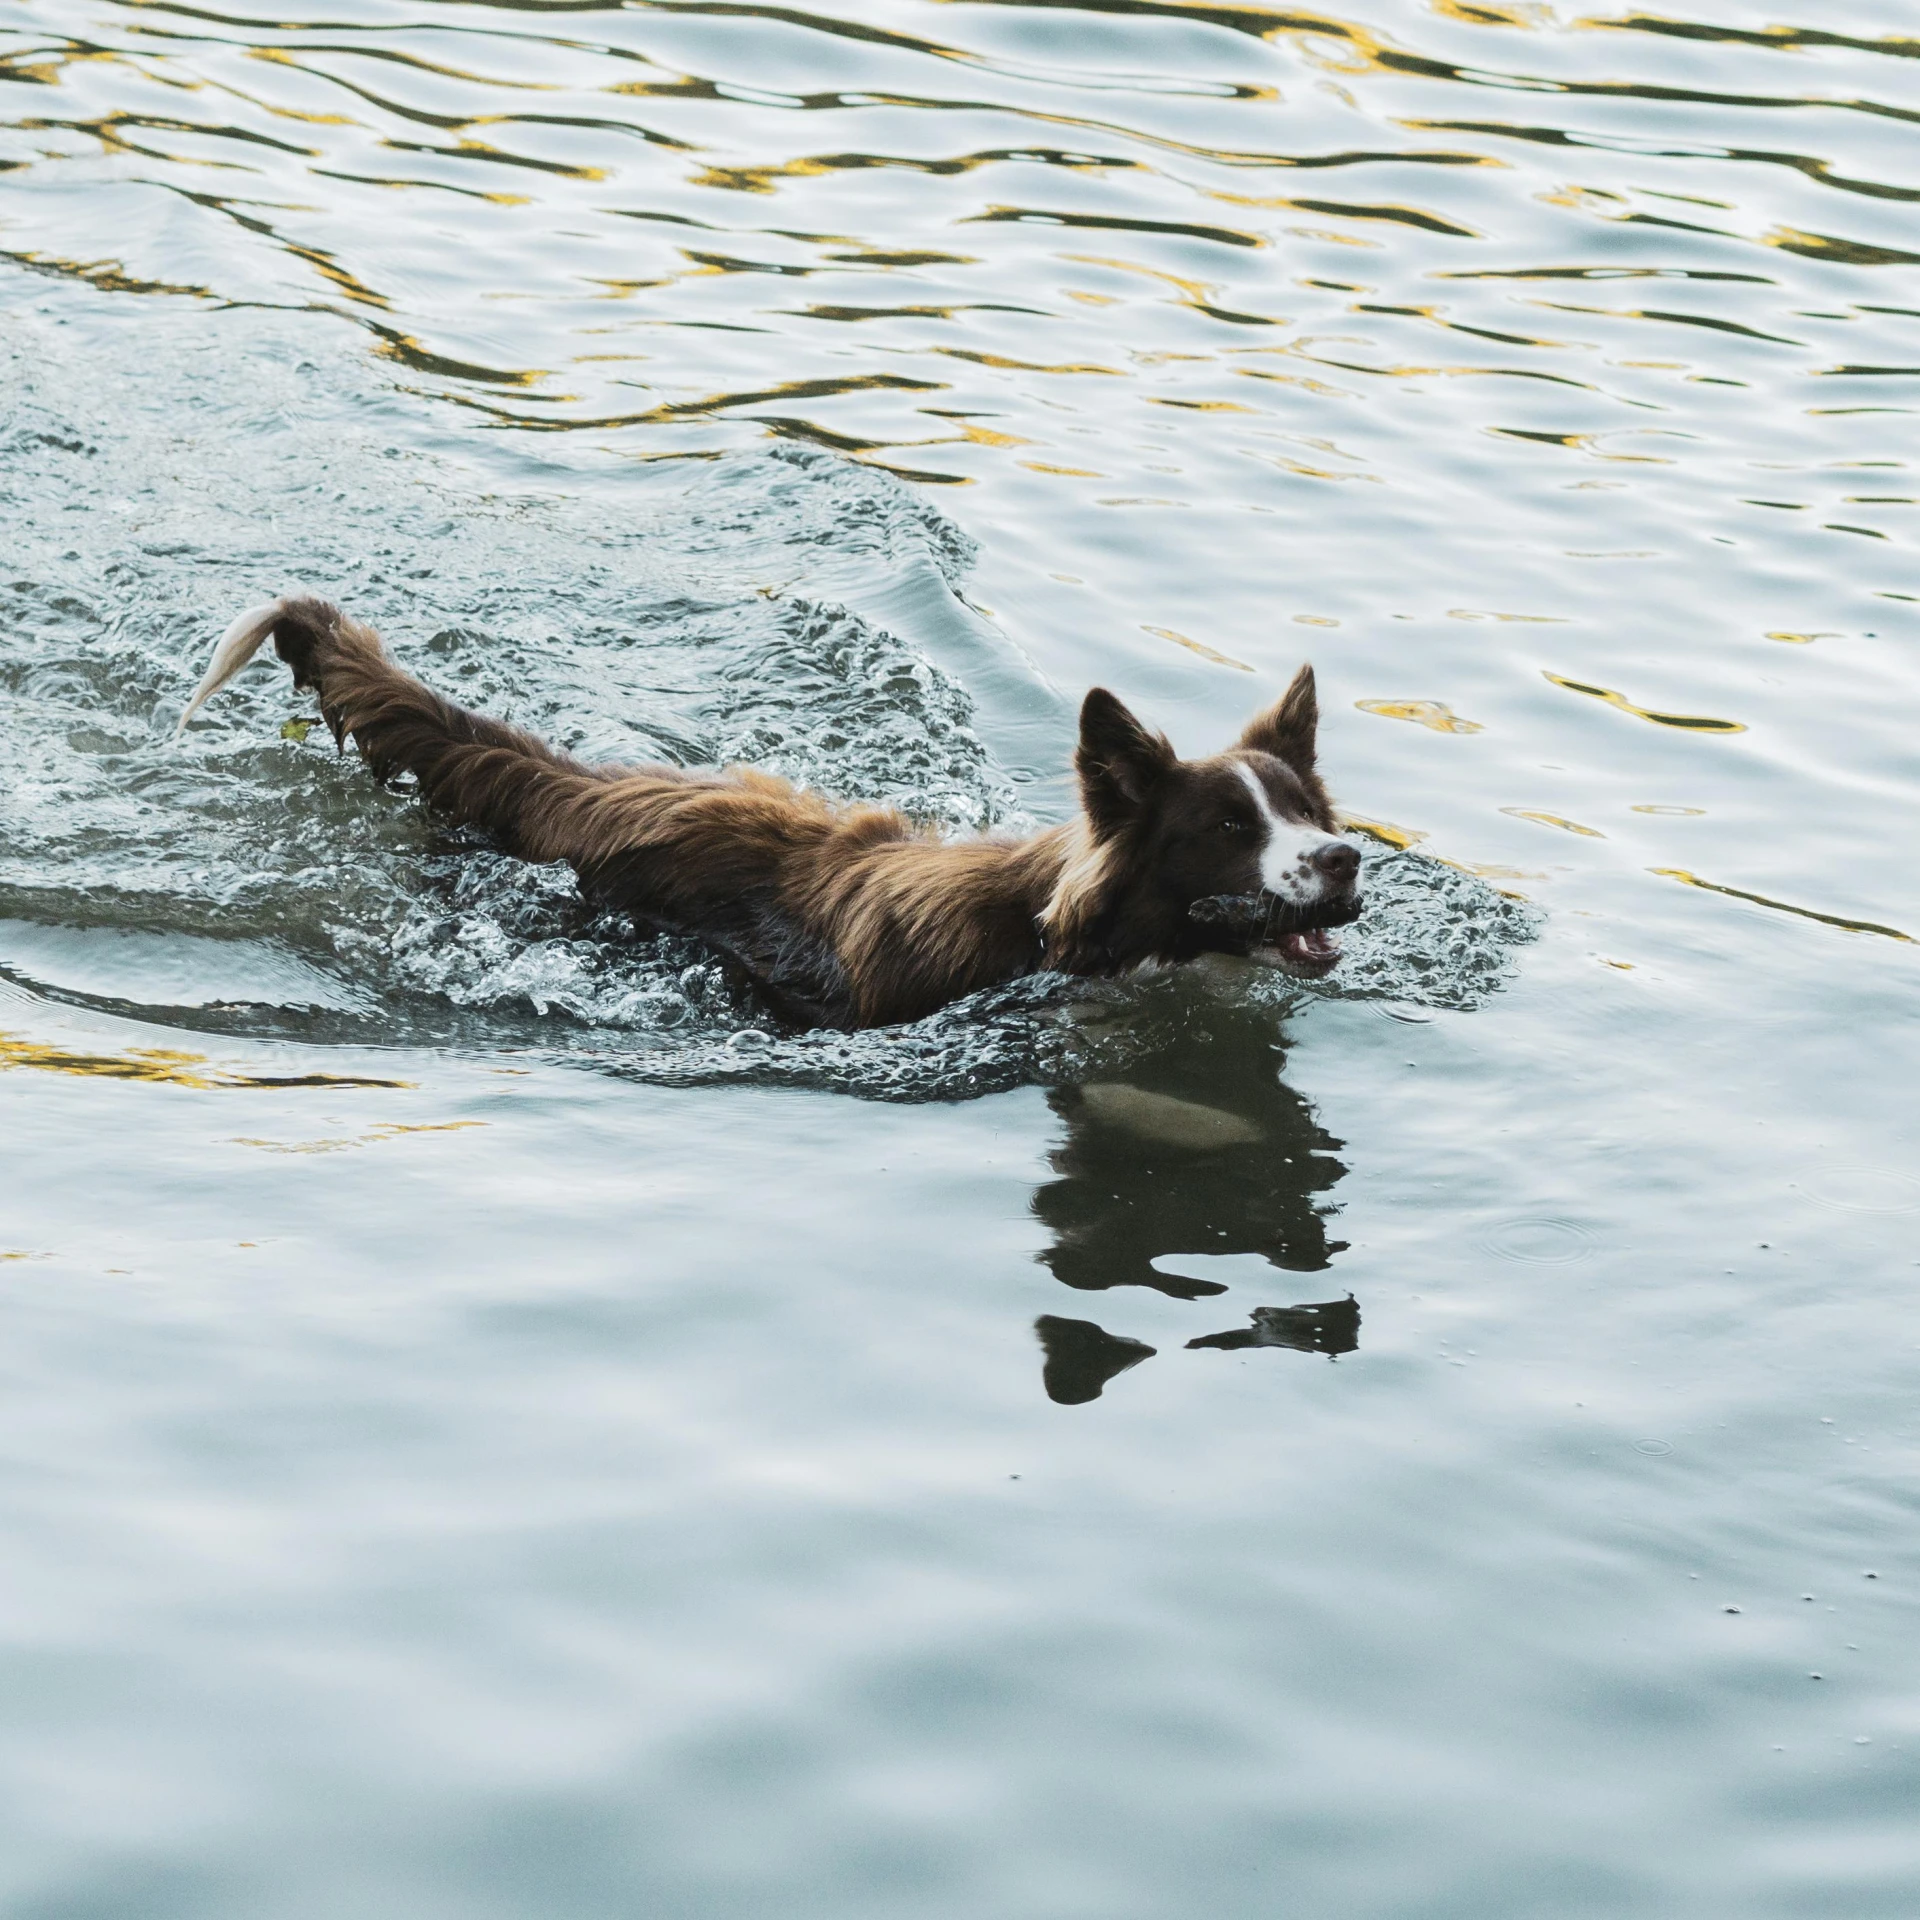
x=1296 y=935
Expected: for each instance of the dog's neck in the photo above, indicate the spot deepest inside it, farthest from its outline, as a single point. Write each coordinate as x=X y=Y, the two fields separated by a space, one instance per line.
x=1076 y=866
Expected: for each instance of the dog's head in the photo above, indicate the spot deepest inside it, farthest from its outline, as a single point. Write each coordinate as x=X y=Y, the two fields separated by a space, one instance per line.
x=1239 y=853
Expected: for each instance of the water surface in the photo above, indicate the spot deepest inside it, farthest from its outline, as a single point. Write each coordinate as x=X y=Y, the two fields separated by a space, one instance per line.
x=494 y=1426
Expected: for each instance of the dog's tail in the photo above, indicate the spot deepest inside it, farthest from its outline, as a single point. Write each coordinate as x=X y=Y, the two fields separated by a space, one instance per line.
x=238 y=645
x=478 y=771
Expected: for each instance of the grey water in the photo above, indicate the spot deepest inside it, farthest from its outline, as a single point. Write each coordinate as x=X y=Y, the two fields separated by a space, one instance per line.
x=494 y=1425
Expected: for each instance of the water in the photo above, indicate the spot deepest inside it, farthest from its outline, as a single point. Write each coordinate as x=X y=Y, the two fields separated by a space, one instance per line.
x=493 y=1426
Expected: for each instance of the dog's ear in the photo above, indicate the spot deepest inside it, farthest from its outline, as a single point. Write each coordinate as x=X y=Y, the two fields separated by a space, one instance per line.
x=1287 y=728
x=1119 y=762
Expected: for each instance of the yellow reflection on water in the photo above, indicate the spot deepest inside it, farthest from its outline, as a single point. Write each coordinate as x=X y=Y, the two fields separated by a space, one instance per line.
x=1553 y=820
x=1197 y=646
x=1524 y=619
x=1197 y=294
x=340 y=1145
x=1692 y=722
x=1433 y=714
x=1026 y=366
x=1384 y=831
x=110 y=276
x=1478 y=13
x=163 y=1067
x=1782 y=906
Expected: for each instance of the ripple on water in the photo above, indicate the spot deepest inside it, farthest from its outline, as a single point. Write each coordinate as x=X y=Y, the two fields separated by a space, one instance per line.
x=1863 y=1190
x=1539 y=1242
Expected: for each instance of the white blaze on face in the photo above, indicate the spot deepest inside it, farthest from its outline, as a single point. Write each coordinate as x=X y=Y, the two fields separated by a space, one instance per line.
x=1286 y=854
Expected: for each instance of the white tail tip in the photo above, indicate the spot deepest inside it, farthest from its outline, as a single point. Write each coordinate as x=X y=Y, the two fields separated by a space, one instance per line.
x=238 y=645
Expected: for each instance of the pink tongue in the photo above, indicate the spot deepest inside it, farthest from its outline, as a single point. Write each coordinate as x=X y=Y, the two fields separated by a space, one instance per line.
x=1315 y=944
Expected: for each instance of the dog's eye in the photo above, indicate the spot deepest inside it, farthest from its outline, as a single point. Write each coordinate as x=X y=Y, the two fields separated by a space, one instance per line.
x=1232 y=825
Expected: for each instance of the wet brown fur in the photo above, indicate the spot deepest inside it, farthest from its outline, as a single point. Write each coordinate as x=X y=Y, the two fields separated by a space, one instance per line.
x=846 y=915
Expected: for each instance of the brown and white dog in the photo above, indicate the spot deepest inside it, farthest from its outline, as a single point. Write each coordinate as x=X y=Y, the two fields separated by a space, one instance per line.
x=853 y=916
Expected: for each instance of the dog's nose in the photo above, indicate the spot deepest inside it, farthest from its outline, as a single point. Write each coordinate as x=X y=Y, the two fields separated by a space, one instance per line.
x=1338 y=861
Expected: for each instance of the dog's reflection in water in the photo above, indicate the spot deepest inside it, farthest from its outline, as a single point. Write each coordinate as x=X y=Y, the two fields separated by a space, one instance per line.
x=1199 y=1149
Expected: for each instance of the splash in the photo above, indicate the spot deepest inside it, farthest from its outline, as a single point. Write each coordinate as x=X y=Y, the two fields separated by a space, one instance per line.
x=1431 y=936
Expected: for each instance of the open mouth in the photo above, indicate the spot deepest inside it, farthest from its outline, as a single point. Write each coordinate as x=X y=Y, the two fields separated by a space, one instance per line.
x=1314 y=951
x=1261 y=920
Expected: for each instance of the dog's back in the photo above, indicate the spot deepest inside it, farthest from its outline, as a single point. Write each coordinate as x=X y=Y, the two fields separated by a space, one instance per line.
x=847 y=915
